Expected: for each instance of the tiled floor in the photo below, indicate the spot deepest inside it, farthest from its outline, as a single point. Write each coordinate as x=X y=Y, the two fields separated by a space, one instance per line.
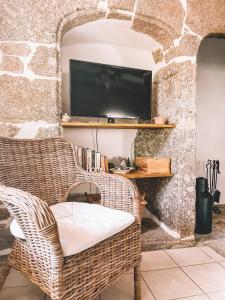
x=196 y=273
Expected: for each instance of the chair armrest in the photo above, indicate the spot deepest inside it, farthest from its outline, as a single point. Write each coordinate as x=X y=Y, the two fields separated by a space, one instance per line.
x=116 y=192
x=37 y=222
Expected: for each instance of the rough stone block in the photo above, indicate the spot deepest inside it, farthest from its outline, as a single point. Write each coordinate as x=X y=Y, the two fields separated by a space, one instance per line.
x=79 y=18
x=206 y=17
x=127 y=5
x=157 y=55
x=19 y=49
x=38 y=21
x=25 y=100
x=11 y=64
x=16 y=17
x=48 y=14
x=117 y=15
x=154 y=29
x=189 y=46
x=44 y=61
x=161 y=19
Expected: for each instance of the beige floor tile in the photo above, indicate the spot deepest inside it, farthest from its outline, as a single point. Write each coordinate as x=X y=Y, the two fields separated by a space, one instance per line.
x=22 y=293
x=189 y=256
x=16 y=279
x=200 y=297
x=212 y=253
x=123 y=290
x=209 y=277
x=170 y=284
x=217 y=296
x=155 y=260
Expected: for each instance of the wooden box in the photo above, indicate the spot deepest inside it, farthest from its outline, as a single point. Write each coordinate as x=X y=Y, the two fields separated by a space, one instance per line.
x=154 y=164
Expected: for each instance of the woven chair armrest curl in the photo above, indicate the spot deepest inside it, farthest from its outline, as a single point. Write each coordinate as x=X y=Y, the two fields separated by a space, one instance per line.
x=116 y=192
x=35 y=219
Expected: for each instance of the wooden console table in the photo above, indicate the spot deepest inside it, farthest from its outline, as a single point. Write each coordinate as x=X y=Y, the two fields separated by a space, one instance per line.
x=132 y=175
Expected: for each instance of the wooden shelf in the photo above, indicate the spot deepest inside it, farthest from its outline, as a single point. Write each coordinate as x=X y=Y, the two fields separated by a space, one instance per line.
x=73 y=124
x=139 y=174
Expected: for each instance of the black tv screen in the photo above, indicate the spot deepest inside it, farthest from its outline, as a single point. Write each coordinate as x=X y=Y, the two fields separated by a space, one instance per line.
x=100 y=90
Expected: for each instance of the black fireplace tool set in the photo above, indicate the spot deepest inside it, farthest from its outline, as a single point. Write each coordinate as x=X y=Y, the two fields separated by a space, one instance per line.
x=212 y=171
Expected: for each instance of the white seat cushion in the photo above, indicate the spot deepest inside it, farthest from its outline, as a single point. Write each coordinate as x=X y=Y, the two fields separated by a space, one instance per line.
x=83 y=225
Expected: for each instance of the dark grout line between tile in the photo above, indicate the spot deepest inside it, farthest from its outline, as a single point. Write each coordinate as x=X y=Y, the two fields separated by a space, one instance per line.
x=148 y=287
x=188 y=276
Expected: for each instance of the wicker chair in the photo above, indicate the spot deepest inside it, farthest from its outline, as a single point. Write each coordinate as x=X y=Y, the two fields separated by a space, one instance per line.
x=35 y=174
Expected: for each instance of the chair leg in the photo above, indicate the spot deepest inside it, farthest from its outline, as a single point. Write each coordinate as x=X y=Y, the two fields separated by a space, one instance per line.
x=137 y=282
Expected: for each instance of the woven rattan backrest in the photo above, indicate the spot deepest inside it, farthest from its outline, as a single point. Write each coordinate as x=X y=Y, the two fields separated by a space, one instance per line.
x=45 y=168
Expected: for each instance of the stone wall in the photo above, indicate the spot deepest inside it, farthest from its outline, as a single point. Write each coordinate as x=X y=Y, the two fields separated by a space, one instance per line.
x=172 y=200
x=30 y=76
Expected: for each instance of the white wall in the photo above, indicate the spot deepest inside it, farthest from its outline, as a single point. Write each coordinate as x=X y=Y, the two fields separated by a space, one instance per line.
x=111 y=42
x=211 y=107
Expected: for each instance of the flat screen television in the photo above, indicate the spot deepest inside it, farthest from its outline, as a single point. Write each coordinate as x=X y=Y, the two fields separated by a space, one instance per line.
x=100 y=90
